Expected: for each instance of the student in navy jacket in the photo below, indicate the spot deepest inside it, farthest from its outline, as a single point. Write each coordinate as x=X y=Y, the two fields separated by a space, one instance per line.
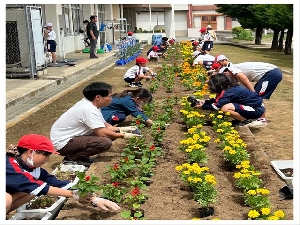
x=25 y=178
x=128 y=102
x=240 y=102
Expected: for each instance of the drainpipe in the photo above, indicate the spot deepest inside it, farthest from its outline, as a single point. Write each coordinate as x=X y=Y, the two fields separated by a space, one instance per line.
x=150 y=16
x=190 y=15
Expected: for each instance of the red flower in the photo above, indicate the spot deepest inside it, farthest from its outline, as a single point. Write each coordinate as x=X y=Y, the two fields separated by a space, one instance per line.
x=115 y=184
x=87 y=178
x=135 y=191
x=126 y=159
x=137 y=122
x=158 y=129
x=152 y=147
x=116 y=166
x=115 y=118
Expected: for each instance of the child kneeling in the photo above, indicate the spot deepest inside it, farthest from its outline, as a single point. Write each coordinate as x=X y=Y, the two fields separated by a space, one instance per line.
x=242 y=104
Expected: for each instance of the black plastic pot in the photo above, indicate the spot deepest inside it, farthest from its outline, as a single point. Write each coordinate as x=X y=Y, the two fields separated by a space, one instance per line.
x=286 y=192
x=133 y=211
x=206 y=211
x=147 y=182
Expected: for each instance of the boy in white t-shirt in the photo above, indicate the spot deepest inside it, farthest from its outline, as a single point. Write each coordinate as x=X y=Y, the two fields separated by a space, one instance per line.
x=139 y=71
x=82 y=132
x=153 y=55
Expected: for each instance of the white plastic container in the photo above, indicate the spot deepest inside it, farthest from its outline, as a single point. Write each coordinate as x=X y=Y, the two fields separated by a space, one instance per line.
x=71 y=168
x=40 y=215
x=278 y=165
x=54 y=209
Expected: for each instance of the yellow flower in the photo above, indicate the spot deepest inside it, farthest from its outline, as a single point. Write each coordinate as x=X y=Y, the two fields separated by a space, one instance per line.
x=272 y=218
x=237 y=175
x=263 y=191
x=220 y=112
x=279 y=213
x=251 y=192
x=219 y=116
x=211 y=115
x=265 y=211
x=178 y=168
x=253 y=214
x=227 y=113
x=232 y=152
x=217 y=140
x=215 y=219
x=196 y=218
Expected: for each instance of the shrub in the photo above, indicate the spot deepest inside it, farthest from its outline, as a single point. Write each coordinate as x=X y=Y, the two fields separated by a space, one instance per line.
x=236 y=31
x=246 y=35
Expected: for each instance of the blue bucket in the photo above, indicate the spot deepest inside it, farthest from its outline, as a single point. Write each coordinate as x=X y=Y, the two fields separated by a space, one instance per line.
x=102 y=26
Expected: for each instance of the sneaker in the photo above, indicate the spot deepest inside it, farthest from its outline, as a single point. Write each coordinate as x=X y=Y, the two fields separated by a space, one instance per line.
x=68 y=161
x=243 y=123
x=139 y=84
x=257 y=124
x=133 y=85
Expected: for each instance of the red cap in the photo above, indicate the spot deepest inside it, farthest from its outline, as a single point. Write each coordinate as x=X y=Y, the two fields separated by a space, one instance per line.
x=155 y=48
x=130 y=33
x=202 y=30
x=171 y=41
x=37 y=142
x=215 y=66
x=140 y=60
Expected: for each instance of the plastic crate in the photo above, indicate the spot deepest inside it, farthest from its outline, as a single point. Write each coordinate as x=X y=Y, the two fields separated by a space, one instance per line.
x=73 y=168
x=54 y=209
x=22 y=215
x=278 y=165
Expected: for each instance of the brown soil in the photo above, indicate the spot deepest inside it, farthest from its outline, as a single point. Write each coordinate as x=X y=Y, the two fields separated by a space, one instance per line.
x=169 y=198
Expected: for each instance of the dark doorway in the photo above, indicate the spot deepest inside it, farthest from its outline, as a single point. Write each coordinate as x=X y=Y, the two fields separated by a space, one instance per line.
x=12 y=43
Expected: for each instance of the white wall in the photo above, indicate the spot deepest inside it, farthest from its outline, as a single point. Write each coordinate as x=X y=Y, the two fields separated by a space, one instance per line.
x=180 y=18
x=220 y=23
x=143 y=20
x=181 y=7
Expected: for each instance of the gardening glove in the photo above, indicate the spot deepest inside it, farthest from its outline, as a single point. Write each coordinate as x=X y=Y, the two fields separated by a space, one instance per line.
x=131 y=135
x=75 y=195
x=128 y=129
x=104 y=204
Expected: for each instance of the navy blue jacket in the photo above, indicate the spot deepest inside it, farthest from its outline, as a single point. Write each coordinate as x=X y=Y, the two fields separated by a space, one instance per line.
x=237 y=94
x=124 y=105
x=21 y=178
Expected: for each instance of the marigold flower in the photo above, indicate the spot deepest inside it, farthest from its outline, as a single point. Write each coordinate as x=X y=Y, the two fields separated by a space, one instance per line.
x=279 y=214
x=265 y=211
x=251 y=192
x=87 y=178
x=253 y=214
x=272 y=218
x=152 y=147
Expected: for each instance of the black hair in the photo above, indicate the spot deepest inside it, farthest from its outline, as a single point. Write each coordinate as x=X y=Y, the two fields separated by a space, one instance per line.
x=96 y=88
x=141 y=93
x=85 y=21
x=219 y=82
x=165 y=38
x=92 y=17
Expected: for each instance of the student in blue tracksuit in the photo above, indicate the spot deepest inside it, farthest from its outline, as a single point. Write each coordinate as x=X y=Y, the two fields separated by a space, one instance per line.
x=240 y=102
x=25 y=178
x=128 y=102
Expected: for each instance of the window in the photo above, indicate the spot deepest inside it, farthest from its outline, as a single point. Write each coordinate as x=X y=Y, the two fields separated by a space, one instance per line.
x=65 y=14
x=234 y=19
x=213 y=18
x=77 y=17
x=204 y=18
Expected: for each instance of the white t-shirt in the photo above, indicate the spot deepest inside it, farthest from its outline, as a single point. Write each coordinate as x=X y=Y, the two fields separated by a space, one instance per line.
x=255 y=70
x=134 y=71
x=206 y=57
x=152 y=54
x=231 y=67
x=79 y=120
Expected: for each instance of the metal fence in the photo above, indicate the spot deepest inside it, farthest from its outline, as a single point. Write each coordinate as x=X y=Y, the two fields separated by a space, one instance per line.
x=25 y=53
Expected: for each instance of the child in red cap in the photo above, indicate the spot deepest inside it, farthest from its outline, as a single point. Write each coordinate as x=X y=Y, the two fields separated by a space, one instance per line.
x=153 y=55
x=25 y=179
x=139 y=71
